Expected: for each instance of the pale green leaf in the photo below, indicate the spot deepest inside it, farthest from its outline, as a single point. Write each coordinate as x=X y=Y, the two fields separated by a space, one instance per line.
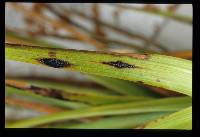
x=178 y=120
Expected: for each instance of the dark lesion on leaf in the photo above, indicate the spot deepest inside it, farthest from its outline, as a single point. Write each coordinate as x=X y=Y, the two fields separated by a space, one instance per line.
x=119 y=64
x=56 y=93
x=140 y=82
x=144 y=56
x=157 y=80
x=50 y=92
x=52 y=54
x=46 y=92
x=55 y=63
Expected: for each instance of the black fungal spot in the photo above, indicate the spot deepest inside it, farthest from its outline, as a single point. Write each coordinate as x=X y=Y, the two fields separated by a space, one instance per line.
x=119 y=64
x=55 y=63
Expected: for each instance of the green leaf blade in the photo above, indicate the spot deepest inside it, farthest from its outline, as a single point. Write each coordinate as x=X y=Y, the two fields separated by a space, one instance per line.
x=178 y=120
x=156 y=70
x=159 y=105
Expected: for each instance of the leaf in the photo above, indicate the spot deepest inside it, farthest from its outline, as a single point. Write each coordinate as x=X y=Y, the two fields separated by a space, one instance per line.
x=117 y=122
x=158 y=105
x=157 y=70
x=178 y=120
x=67 y=86
x=70 y=93
x=122 y=86
x=42 y=99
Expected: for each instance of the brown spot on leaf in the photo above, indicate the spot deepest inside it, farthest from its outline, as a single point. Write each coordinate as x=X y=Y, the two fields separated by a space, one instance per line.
x=157 y=80
x=144 y=56
x=132 y=55
x=137 y=56
x=52 y=54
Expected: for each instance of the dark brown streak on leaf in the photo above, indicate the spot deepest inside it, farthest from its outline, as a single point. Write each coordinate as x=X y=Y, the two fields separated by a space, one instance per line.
x=52 y=54
x=119 y=64
x=165 y=92
x=132 y=55
x=55 y=63
x=47 y=92
x=140 y=82
x=41 y=91
x=54 y=93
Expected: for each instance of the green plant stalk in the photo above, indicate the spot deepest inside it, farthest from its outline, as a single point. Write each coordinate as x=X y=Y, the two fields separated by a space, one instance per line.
x=178 y=120
x=122 y=86
x=118 y=122
x=157 y=70
x=158 y=105
x=42 y=99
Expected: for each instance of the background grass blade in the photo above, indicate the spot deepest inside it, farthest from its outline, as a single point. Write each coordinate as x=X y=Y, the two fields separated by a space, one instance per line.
x=122 y=86
x=42 y=99
x=158 y=70
x=178 y=120
x=79 y=86
x=71 y=93
x=118 y=122
x=158 y=105
x=40 y=107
